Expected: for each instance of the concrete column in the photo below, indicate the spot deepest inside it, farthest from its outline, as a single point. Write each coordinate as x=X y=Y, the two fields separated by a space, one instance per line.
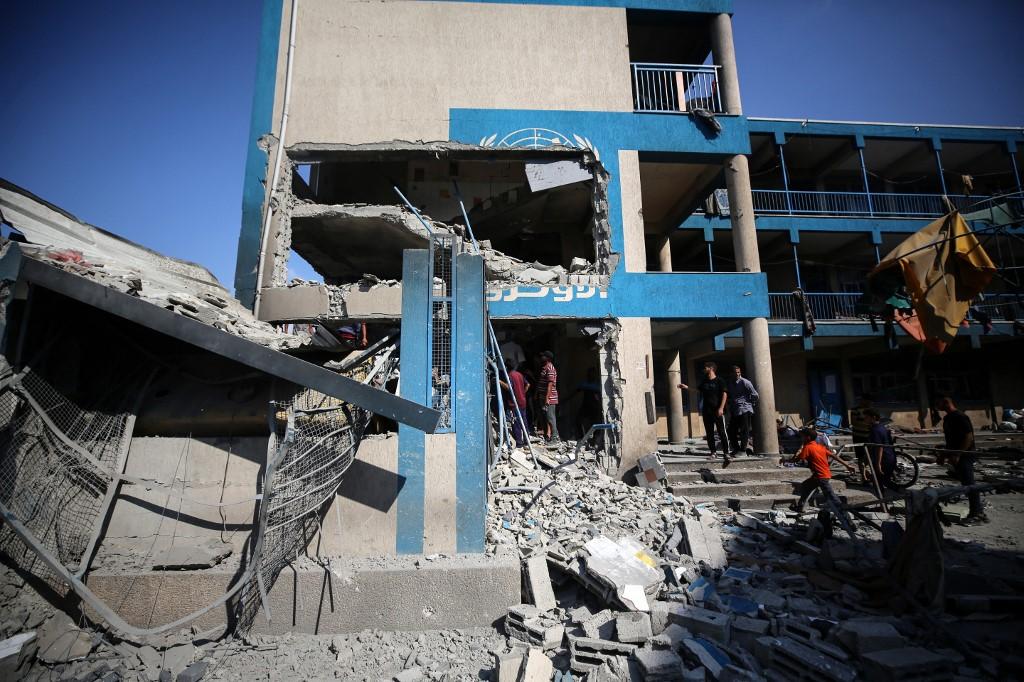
x=757 y=354
x=756 y=348
x=639 y=434
x=634 y=245
x=724 y=55
x=676 y=418
x=665 y=255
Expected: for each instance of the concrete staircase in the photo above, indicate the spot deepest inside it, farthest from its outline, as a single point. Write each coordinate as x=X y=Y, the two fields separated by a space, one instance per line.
x=762 y=483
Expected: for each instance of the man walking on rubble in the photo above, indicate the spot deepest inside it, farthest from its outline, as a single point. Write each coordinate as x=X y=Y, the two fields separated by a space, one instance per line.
x=742 y=398
x=959 y=434
x=547 y=396
x=817 y=457
x=713 y=396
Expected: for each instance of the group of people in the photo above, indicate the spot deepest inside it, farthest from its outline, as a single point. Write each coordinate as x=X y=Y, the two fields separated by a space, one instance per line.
x=876 y=455
x=715 y=395
x=530 y=398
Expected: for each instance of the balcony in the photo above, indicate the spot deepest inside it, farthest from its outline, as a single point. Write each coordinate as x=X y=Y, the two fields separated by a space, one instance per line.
x=827 y=307
x=860 y=204
x=675 y=88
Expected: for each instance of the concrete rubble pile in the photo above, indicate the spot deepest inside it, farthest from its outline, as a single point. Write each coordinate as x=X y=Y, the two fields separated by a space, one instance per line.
x=629 y=583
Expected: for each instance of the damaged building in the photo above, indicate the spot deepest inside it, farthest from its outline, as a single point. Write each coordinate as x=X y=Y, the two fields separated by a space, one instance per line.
x=472 y=182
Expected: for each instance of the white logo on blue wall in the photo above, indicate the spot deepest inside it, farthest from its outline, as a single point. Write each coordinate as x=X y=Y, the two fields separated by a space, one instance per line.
x=539 y=138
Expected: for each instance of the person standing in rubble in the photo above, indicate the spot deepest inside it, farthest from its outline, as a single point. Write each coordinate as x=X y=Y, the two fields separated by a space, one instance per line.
x=517 y=407
x=959 y=434
x=817 y=457
x=861 y=429
x=547 y=396
x=713 y=396
x=882 y=456
x=742 y=399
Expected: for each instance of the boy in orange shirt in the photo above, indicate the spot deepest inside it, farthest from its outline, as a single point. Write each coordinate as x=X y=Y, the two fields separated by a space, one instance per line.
x=817 y=457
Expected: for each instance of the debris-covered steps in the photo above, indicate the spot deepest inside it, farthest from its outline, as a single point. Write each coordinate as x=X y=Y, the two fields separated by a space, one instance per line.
x=756 y=480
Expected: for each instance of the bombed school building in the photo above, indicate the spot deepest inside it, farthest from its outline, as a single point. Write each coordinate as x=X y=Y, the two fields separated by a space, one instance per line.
x=474 y=183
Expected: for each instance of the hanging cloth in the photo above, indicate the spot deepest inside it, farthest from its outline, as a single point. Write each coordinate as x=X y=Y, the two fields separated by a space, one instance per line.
x=944 y=268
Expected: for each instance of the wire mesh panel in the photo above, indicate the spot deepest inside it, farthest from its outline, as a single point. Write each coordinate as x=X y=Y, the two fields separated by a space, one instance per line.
x=58 y=453
x=442 y=324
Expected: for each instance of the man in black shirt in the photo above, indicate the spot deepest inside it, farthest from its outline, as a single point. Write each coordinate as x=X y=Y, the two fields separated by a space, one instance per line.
x=713 y=396
x=959 y=433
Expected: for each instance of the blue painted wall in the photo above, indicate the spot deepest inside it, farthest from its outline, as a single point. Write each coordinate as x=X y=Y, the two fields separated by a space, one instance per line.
x=657 y=295
x=470 y=405
x=254 y=184
x=415 y=368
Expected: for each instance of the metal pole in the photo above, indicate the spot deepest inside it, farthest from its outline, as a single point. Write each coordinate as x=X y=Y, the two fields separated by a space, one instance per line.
x=1016 y=172
x=864 y=174
x=711 y=259
x=785 y=178
x=519 y=414
x=465 y=216
x=796 y=262
x=942 y=176
x=878 y=255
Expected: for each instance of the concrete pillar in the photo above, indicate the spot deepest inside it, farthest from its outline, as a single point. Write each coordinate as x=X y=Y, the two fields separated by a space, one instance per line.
x=639 y=433
x=676 y=418
x=665 y=255
x=634 y=244
x=725 y=56
x=757 y=350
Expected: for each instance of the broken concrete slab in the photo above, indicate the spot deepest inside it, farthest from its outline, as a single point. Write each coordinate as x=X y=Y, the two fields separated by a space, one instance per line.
x=536 y=668
x=711 y=657
x=864 y=637
x=626 y=566
x=703 y=541
x=60 y=640
x=538 y=580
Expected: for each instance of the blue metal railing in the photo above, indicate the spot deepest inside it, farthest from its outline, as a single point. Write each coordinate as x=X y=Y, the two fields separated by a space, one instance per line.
x=840 y=307
x=823 y=306
x=883 y=204
x=676 y=88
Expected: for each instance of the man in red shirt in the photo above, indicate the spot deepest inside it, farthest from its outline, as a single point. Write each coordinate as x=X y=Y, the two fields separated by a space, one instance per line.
x=517 y=411
x=547 y=395
x=817 y=457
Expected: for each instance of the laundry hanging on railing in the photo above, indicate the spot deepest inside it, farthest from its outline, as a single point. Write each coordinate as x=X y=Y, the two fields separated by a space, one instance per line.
x=936 y=273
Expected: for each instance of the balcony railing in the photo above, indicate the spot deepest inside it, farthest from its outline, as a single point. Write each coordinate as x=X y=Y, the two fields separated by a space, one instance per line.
x=840 y=307
x=772 y=201
x=676 y=88
x=823 y=306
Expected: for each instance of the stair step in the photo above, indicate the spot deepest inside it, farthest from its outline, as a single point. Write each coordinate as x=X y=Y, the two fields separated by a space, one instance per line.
x=779 y=501
x=681 y=464
x=775 y=474
x=711 y=491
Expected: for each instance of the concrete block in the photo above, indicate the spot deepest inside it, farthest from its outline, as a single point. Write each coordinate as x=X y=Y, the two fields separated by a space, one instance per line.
x=908 y=663
x=537 y=668
x=659 y=616
x=601 y=625
x=633 y=627
x=701 y=621
x=745 y=631
x=659 y=664
x=539 y=582
x=864 y=637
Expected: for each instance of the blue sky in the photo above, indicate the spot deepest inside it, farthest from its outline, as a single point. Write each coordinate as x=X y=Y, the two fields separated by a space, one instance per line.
x=134 y=115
